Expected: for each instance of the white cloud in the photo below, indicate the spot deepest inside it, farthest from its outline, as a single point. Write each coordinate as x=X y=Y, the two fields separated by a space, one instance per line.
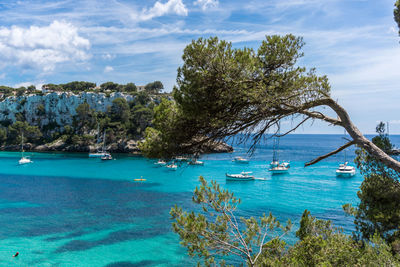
x=108 y=56
x=42 y=47
x=108 y=69
x=23 y=84
x=206 y=4
x=37 y=84
x=160 y=9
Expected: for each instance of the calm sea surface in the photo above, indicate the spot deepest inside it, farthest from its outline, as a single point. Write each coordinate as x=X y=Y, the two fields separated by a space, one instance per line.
x=69 y=210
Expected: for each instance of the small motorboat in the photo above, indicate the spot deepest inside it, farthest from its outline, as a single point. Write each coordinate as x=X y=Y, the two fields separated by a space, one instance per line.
x=172 y=167
x=98 y=154
x=345 y=170
x=280 y=169
x=181 y=159
x=240 y=160
x=25 y=160
x=107 y=156
x=196 y=162
x=243 y=176
x=160 y=163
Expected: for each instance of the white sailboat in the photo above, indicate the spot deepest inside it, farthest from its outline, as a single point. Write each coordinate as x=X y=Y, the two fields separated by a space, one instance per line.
x=106 y=155
x=276 y=167
x=23 y=160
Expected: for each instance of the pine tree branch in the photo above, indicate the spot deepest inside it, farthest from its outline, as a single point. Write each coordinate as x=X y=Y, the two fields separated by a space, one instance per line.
x=329 y=154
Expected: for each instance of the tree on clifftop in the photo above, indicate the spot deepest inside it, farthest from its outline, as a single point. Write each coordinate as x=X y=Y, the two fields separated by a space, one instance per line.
x=223 y=91
x=154 y=87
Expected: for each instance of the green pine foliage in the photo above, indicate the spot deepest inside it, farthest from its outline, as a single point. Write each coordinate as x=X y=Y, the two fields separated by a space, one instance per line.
x=216 y=236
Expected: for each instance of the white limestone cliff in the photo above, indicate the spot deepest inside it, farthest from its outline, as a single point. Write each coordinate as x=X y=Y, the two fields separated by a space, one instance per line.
x=59 y=106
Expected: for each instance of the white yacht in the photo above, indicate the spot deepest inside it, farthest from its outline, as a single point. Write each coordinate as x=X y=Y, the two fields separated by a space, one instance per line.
x=280 y=169
x=107 y=156
x=97 y=154
x=243 y=176
x=160 y=163
x=196 y=162
x=240 y=160
x=24 y=159
x=180 y=158
x=172 y=167
x=345 y=171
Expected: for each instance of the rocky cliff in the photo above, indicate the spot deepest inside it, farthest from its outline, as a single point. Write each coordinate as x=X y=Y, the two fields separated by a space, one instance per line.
x=53 y=111
x=59 y=107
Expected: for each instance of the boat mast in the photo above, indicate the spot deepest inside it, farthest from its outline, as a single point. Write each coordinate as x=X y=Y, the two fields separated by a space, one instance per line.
x=22 y=144
x=104 y=141
x=98 y=133
x=345 y=154
x=275 y=156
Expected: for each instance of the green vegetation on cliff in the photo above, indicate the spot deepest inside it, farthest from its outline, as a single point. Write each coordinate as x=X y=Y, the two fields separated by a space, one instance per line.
x=122 y=121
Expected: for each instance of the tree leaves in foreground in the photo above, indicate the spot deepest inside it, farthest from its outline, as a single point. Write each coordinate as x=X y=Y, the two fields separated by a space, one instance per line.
x=217 y=231
x=216 y=234
x=222 y=91
x=379 y=208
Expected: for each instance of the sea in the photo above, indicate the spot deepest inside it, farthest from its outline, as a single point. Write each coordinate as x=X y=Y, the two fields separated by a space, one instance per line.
x=66 y=209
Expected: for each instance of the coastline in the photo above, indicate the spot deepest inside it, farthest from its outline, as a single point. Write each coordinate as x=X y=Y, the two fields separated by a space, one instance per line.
x=123 y=147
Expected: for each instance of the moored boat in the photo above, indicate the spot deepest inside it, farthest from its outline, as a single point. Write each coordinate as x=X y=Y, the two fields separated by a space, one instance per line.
x=277 y=167
x=160 y=163
x=24 y=159
x=196 y=162
x=172 y=167
x=240 y=160
x=107 y=156
x=345 y=170
x=97 y=154
x=180 y=158
x=280 y=169
x=243 y=176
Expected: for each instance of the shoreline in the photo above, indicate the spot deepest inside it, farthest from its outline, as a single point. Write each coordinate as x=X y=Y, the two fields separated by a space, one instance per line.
x=129 y=147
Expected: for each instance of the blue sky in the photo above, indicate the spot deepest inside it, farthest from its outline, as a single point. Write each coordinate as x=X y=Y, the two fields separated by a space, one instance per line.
x=354 y=42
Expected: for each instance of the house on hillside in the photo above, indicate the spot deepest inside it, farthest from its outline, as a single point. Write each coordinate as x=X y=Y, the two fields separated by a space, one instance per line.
x=140 y=88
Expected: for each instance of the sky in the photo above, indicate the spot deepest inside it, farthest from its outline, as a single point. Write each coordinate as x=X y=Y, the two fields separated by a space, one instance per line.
x=354 y=42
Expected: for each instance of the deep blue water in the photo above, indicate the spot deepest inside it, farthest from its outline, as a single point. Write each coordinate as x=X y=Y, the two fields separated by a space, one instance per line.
x=69 y=210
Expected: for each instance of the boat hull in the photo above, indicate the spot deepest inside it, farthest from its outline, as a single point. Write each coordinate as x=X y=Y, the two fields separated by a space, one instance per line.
x=233 y=177
x=96 y=155
x=278 y=171
x=24 y=161
x=346 y=174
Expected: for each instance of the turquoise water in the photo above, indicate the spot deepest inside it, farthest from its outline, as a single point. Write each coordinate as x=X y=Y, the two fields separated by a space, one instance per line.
x=69 y=210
